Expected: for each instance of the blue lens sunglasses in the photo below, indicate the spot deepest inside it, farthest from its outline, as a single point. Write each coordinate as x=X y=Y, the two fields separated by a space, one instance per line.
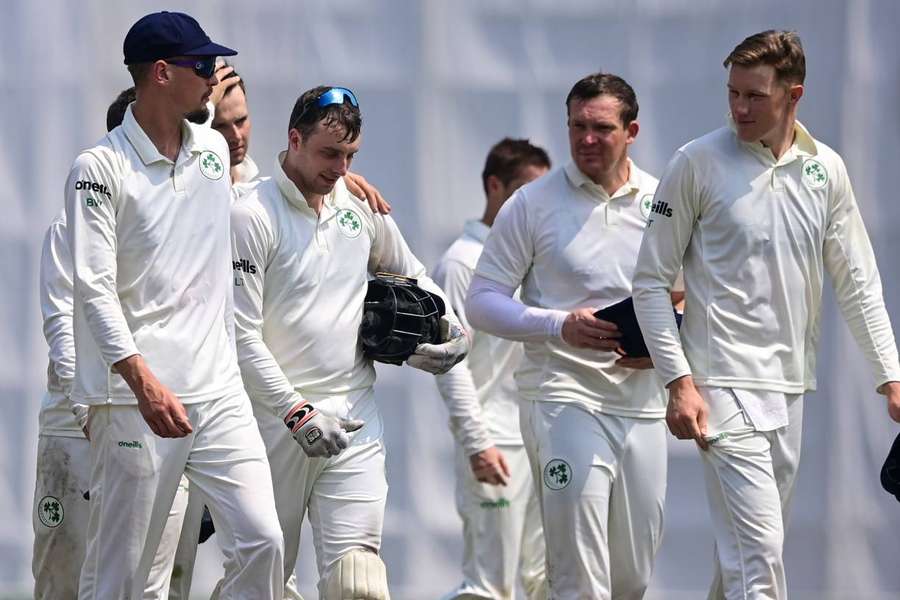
x=203 y=66
x=335 y=95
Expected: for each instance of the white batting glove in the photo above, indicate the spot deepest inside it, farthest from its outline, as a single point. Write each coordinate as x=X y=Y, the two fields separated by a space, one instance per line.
x=319 y=435
x=440 y=358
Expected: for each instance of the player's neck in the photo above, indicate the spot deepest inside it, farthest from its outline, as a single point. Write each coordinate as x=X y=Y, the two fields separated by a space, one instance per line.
x=615 y=178
x=780 y=139
x=313 y=200
x=161 y=126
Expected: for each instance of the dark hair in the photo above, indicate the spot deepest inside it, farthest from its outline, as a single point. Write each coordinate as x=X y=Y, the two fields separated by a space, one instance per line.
x=606 y=84
x=139 y=71
x=116 y=111
x=307 y=114
x=508 y=156
x=240 y=82
x=780 y=49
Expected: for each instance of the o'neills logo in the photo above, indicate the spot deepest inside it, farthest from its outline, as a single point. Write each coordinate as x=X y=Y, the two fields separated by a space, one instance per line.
x=134 y=444
x=662 y=208
x=242 y=264
x=90 y=186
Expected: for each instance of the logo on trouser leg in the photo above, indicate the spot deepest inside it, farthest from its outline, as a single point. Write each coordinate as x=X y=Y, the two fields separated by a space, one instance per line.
x=50 y=511
x=557 y=474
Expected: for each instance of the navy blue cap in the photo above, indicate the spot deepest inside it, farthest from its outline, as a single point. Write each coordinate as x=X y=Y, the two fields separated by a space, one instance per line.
x=623 y=315
x=167 y=34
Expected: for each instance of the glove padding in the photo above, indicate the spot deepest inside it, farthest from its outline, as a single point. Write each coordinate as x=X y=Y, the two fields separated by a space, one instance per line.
x=440 y=358
x=319 y=435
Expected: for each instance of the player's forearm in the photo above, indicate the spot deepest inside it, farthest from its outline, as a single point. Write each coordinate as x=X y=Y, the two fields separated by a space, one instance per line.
x=491 y=308
x=264 y=380
x=466 y=419
x=850 y=261
x=653 y=307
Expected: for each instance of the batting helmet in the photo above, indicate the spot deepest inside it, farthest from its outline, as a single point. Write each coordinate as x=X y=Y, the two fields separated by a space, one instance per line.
x=398 y=315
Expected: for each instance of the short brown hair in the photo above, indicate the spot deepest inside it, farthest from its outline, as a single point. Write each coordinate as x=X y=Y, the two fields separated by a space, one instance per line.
x=509 y=156
x=307 y=114
x=779 y=49
x=600 y=84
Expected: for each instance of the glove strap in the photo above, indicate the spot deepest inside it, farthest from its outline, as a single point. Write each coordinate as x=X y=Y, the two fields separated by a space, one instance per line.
x=299 y=415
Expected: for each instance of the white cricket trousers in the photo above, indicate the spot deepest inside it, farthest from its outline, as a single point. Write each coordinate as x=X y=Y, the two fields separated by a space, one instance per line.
x=135 y=476
x=749 y=483
x=345 y=495
x=60 y=519
x=502 y=534
x=601 y=482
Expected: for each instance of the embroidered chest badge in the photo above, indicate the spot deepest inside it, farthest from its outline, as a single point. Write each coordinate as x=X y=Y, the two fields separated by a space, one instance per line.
x=211 y=165
x=814 y=174
x=349 y=223
x=647 y=205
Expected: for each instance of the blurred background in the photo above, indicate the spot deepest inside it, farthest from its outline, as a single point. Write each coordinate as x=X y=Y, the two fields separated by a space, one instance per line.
x=439 y=82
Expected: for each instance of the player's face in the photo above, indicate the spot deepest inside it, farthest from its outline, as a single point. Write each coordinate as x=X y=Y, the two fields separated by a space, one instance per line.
x=526 y=174
x=760 y=104
x=189 y=91
x=598 y=140
x=233 y=122
x=322 y=158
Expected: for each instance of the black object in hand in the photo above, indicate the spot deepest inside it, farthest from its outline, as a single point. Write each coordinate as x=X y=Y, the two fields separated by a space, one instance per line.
x=622 y=314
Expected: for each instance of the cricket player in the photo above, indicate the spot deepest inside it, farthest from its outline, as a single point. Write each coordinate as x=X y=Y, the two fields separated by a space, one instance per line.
x=63 y=459
x=592 y=420
x=228 y=113
x=147 y=210
x=495 y=494
x=757 y=212
x=302 y=249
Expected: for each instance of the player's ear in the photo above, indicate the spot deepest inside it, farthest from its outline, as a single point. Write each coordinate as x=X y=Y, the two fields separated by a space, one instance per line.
x=631 y=130
x=795 y=92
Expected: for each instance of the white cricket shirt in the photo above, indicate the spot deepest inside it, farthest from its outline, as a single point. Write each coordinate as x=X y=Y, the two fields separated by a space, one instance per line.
x=300 y=280
x=756 y=235
x=571 y=245
x=150 y=241
x=486 y=375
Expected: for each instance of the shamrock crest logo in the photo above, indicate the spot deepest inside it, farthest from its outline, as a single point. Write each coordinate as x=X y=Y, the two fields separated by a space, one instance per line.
x=349 y=223
x=50 y=511
x=647 y=205
x=211 y=165
x=814 y=174
x=557 y=474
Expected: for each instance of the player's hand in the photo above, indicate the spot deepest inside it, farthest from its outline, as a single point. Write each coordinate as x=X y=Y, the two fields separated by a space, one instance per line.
x=687 y=411
x=319 y=435
x=440 y=358
x=891 y=389
x=582 y=329
x=489 y=466
x=218 y=91
x=634 y=362
x=162 y=409
x=362 y=189
x=81 y=412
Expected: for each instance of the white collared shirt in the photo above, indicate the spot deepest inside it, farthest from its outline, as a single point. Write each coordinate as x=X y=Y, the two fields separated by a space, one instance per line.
x=571 y=245
x=483 y=405
x=300 y=280
x=755 y=236
x=149 y=241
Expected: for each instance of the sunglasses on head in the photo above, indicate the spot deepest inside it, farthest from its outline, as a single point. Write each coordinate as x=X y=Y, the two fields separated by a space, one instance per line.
x=335 y=95
x=203 y=66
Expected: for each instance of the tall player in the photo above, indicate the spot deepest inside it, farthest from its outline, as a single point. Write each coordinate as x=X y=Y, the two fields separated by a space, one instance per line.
x=760 y=210
x=495 y=494
x=591 y=420
x=305 y=247
x=148 y=216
